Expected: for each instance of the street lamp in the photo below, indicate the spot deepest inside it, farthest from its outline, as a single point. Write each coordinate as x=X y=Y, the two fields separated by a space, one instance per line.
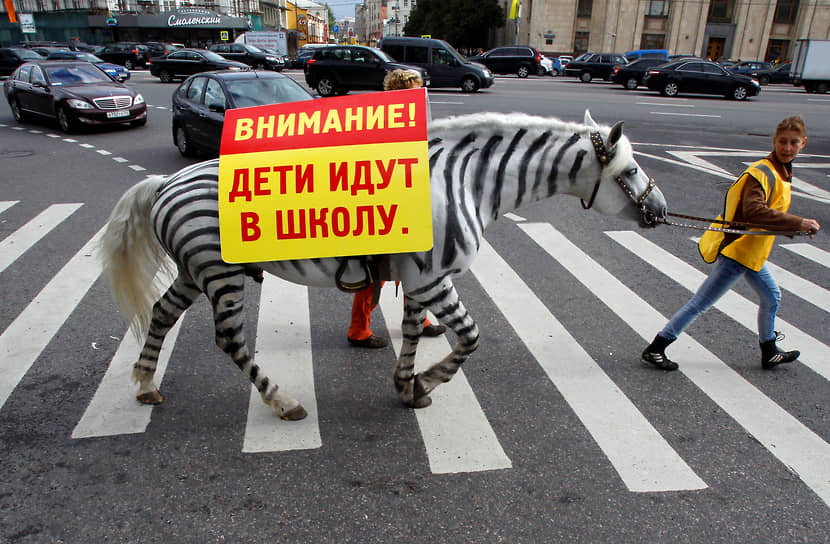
x=396 y=8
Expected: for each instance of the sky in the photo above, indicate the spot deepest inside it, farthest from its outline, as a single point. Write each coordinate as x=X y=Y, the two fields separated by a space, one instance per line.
x=341 y=8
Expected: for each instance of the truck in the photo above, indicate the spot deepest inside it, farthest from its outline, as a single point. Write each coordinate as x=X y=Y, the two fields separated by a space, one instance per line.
x=811 y=65
x=272 y=40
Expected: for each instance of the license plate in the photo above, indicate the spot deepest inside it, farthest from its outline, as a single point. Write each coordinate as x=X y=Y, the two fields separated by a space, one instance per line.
x=118 y=113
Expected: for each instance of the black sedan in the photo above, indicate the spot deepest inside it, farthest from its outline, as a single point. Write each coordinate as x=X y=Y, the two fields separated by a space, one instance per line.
x=185 y=62
x=200 y=102
x=630 y=76
x=700 y=77
x=777 y=74
x=74 y=93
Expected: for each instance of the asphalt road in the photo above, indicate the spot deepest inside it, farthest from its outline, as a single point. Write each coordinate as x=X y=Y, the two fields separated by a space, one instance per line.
x=554 y=433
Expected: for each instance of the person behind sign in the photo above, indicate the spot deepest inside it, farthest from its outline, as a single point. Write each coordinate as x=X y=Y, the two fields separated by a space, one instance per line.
x=360 y=332
x=761 y=196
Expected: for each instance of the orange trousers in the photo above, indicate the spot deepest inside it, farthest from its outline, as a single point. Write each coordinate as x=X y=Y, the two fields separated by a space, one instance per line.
x=360 y=327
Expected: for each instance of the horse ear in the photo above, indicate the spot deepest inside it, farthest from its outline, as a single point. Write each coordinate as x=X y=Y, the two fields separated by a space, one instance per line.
x=615 y=134
x=589 y=121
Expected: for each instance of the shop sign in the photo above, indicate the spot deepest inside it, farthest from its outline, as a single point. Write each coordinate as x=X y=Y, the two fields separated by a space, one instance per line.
x=193 y=17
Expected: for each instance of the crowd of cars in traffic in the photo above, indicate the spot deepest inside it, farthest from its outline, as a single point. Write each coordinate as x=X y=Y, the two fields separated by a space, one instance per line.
x=76 y=88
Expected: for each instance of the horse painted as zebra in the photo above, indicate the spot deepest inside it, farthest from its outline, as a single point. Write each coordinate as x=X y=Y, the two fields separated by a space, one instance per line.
x=481 y=166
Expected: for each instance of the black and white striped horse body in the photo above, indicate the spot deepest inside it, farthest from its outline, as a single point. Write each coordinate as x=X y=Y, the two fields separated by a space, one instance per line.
x=481 y=166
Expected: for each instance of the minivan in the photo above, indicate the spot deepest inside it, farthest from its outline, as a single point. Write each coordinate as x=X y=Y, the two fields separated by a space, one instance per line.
x=446 y=66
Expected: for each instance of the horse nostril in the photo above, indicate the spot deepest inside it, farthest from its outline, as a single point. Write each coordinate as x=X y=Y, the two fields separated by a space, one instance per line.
x=664 y=212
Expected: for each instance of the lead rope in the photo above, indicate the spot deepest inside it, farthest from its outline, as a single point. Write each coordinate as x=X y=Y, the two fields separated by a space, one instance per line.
x=731 y=227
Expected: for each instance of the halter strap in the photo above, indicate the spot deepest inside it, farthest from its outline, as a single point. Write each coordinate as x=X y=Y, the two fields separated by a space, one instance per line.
x=603 y=157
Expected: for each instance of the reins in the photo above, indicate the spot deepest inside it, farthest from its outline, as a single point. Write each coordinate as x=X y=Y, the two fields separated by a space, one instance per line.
x=730 y=227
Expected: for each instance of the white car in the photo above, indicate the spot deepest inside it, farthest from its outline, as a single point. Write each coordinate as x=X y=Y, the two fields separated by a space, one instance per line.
x=549 y=66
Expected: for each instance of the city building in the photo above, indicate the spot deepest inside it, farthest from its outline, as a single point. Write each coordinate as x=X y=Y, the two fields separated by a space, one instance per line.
x=736 y=29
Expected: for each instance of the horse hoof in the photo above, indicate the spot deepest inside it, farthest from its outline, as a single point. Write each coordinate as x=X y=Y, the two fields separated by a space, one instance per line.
x=422 y=402
x=152 y=398
x=295 y=414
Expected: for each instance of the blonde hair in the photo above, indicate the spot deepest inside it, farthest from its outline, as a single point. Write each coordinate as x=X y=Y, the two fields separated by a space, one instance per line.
x=794 y=123
x=402 y=79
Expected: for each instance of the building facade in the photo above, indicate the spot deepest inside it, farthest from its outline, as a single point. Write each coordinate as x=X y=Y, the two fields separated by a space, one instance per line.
x=736 y=29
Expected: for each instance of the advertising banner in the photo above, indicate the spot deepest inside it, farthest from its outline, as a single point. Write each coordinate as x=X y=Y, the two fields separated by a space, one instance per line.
x=323 y=178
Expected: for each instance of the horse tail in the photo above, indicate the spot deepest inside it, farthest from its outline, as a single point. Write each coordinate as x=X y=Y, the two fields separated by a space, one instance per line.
x=132 y=255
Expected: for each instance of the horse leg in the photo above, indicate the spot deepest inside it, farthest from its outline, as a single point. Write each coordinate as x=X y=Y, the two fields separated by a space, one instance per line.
x=227 y=296
x=442 y=299
x=411 y=328
x=166 y=311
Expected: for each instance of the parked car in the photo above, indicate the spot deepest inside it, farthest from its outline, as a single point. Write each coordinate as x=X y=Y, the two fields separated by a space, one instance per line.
x=159 y=49
x=748 y=67
x=779 y=73
x=592 y=65
x=200 y=103
x=631 y=75
x=46 y=50
x=73 y=93
x=337 y=69
x=565 y=59
x=12 y=57
x=700 y=77
x=249 y=54
x=638 y=54
x=115 y=71
x=302 y=58
x=446 y=66
x=550 y=66
x=521 y=60
x=128 y=54
x=183 y=63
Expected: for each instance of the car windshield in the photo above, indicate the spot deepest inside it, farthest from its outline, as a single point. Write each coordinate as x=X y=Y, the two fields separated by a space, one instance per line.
x=75 y=74
x=28 y=54
x=89 y=57
x=210 y=55
x=254 y=48
x=261 y=91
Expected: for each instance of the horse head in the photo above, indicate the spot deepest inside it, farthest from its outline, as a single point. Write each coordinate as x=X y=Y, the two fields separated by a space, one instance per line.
x=622 y=188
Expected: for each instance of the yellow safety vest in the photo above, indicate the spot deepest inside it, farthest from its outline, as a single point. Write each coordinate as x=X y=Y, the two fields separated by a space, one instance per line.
x=750 y=251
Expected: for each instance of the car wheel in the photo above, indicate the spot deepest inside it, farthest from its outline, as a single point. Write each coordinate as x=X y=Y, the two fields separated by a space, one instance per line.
x=670 y=89
x=65 y=121
x=541 y=71
x=183 y=144
x=128 y=64
x=165 y=76
x=739 y=93
x=586 y=77
x=138 y=122
x=18 y=114
x=821 y=87
x=326 y=86
x=630 y=83
x=763 y=80
x=555 y=72
x=469 y=84
x=523 y=71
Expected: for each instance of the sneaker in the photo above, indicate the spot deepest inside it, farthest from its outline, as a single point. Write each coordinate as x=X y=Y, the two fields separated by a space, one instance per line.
x=659 y=360
x=771 y=356
x=372 y=342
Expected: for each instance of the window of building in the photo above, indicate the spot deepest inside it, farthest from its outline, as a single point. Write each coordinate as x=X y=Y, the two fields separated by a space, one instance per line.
x=777 y=50
x=785 y=12
x=581 y=42
x=720 y=11
x=652 y=41
x=584 y=8
x=657 y=8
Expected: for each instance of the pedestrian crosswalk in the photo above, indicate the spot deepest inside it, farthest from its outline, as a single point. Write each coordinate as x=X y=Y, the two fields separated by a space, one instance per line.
x=456 y=432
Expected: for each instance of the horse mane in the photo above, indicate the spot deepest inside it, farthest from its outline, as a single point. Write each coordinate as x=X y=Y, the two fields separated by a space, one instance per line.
x=497 y=122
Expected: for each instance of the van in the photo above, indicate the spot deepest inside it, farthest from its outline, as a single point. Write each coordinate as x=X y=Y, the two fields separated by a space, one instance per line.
x=638 y=54
x=446 y=66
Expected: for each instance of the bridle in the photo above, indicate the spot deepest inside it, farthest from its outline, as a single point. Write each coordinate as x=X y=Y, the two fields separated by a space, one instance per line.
x=729 y=227
x=603 y=157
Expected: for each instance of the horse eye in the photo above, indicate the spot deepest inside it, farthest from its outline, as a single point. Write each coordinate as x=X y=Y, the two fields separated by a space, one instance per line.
x=630 y=172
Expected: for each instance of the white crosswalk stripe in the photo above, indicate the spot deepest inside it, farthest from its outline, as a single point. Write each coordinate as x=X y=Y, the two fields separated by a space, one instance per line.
x=455 y=431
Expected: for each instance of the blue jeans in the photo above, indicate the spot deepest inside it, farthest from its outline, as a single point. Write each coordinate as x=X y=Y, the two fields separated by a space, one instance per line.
x=721 y=280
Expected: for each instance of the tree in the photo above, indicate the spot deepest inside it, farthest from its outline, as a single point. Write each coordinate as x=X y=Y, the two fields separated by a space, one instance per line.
x=463 y=23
